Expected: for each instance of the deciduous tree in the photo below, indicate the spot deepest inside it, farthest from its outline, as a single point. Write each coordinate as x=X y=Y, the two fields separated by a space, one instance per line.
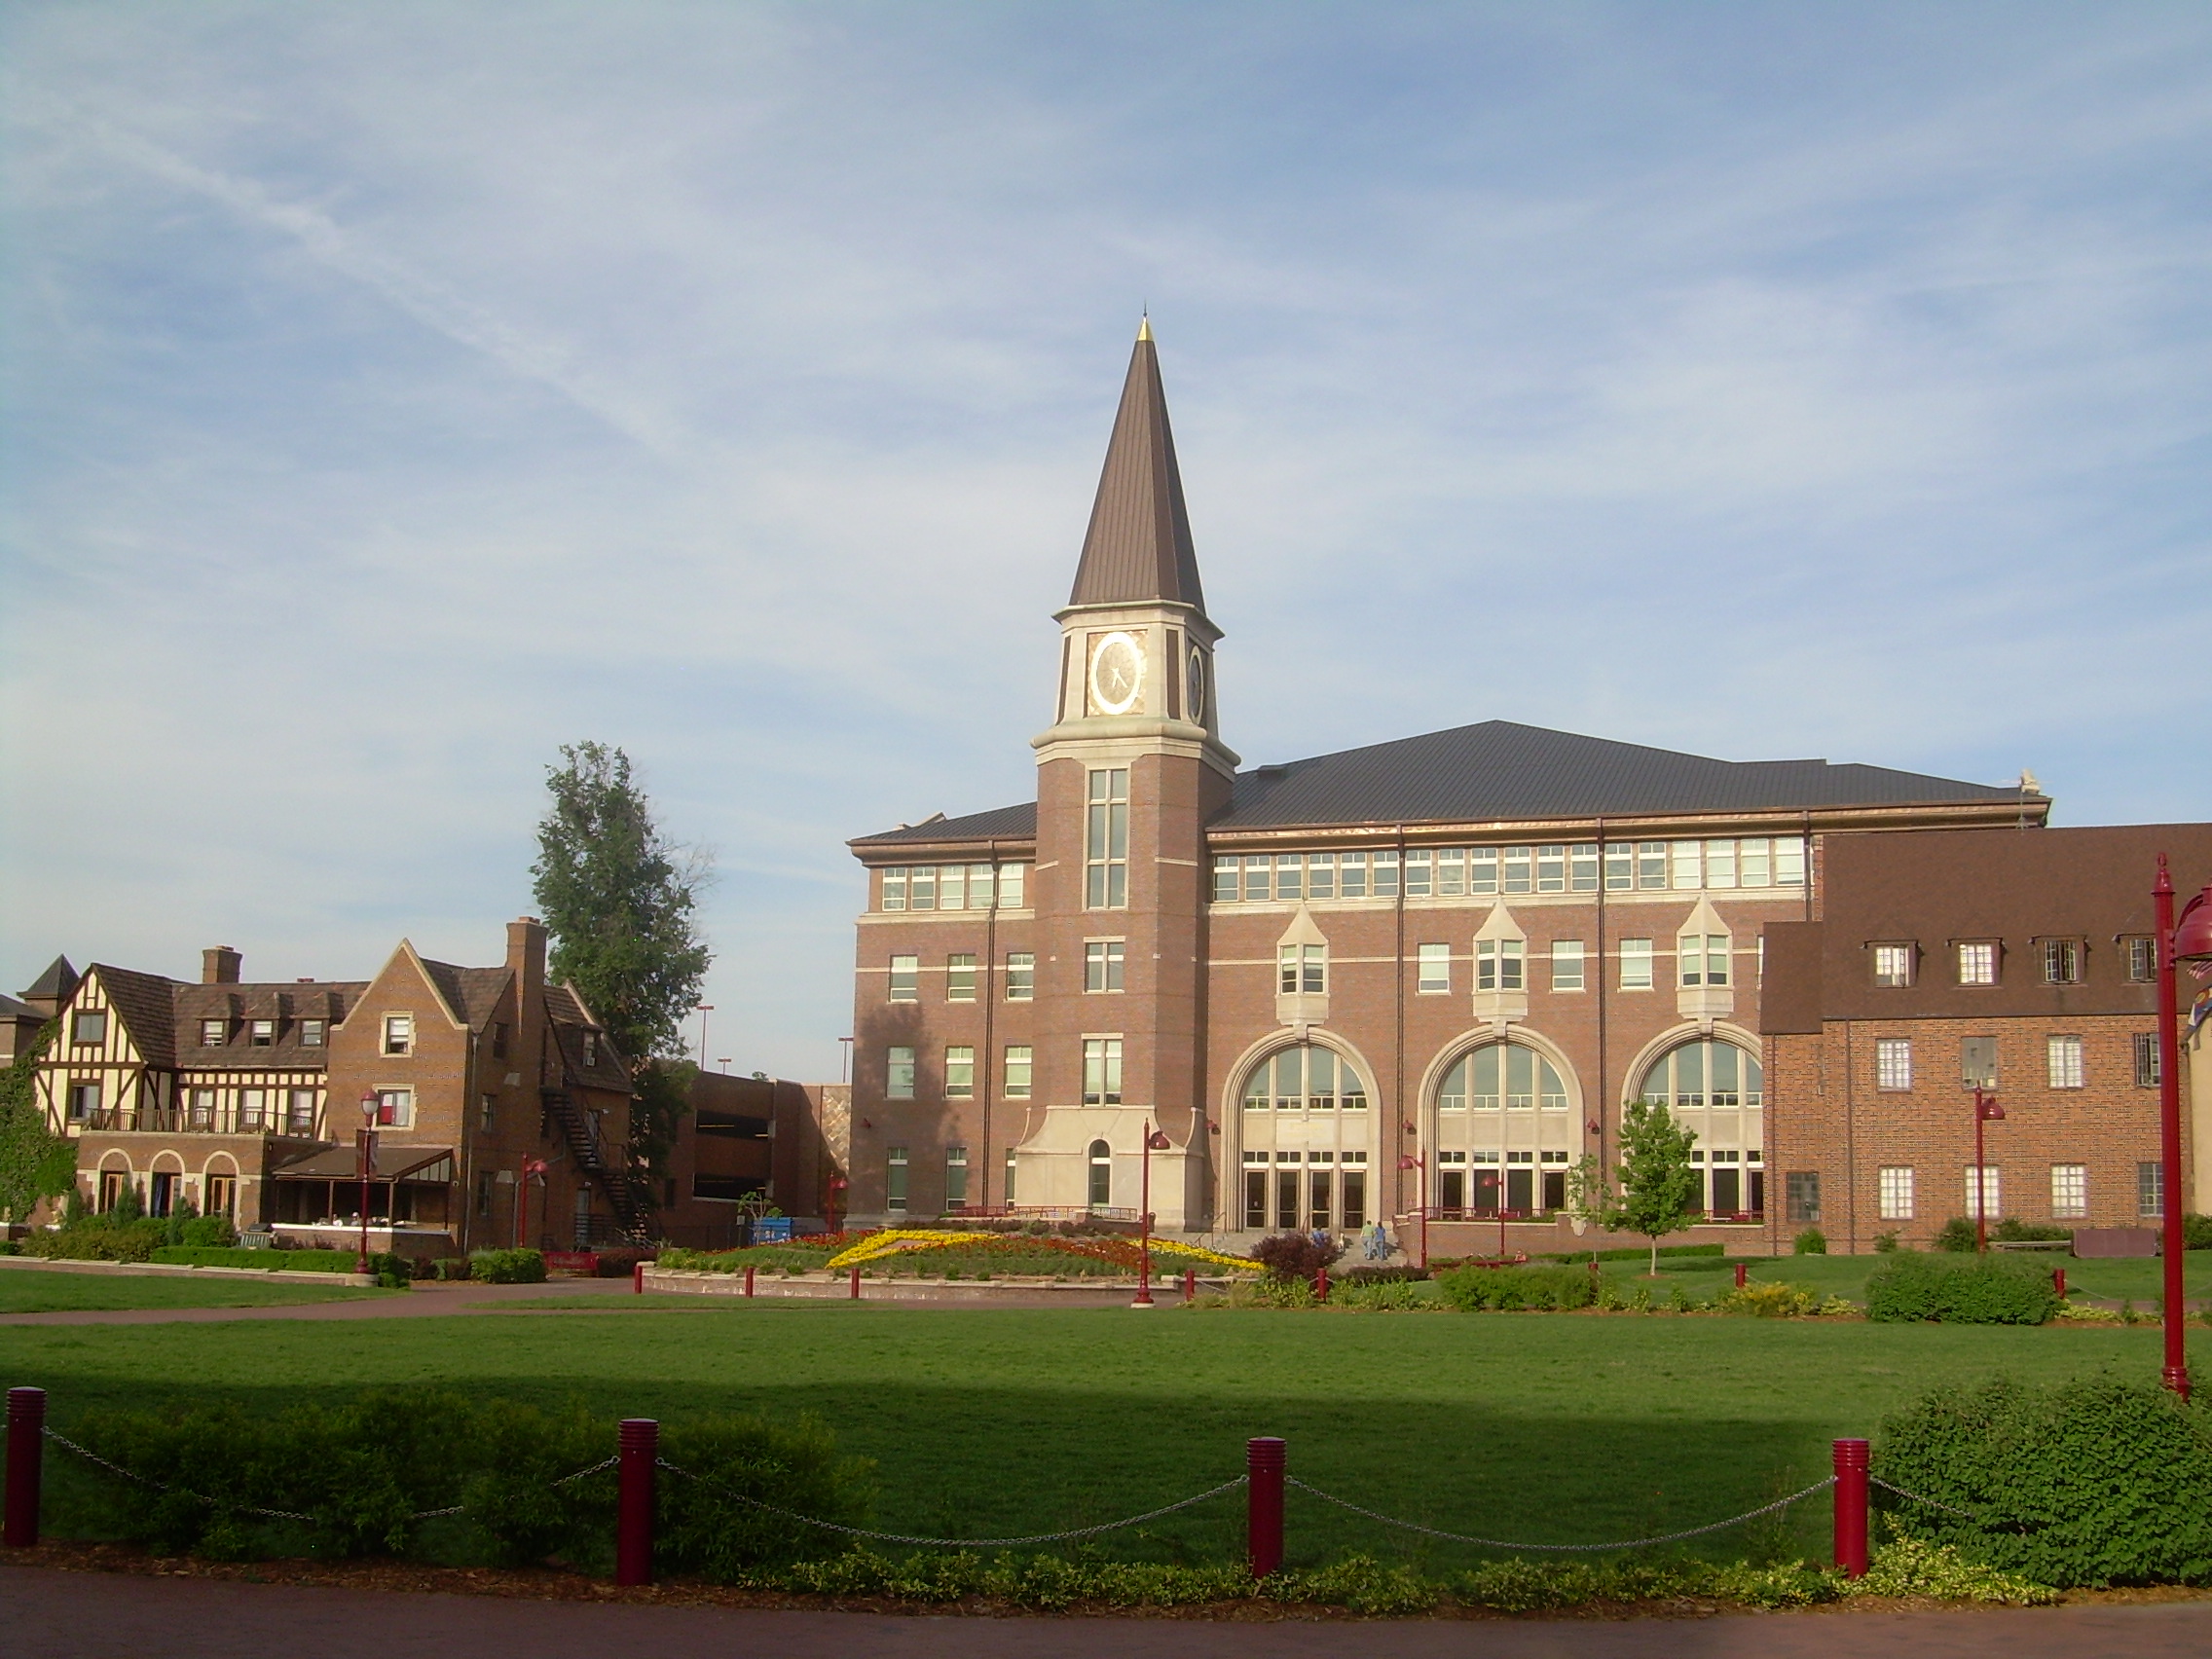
x=1659 y=1185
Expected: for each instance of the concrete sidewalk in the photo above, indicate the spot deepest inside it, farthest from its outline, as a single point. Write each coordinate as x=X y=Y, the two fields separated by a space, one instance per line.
x=50 y=1614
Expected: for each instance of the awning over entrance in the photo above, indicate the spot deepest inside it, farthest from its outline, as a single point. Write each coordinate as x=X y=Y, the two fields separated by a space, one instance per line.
x=427 y=1164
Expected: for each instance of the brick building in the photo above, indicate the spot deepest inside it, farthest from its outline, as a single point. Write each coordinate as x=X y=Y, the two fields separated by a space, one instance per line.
x=1446 y=961
x=2020 y=962
x=244 y=1098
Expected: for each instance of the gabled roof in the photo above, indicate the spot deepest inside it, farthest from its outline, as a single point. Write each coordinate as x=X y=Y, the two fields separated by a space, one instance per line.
x=145 y=1003
x=567 y=1022
x=286 y=1002
x=1499 y=772
x=1139 y=546
x=471 y=994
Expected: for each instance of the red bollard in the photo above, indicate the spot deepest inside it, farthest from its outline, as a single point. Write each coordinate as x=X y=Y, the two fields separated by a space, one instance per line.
x=636 y=1279
x=1321 y=1284
x=748 y=1281
x=1851 y=1460
x=1264 y=1461
x=633 y=1501
x=2058 y=1282
x=26 y=1447
x=1742 y=1272
x=855 y=1284
x=1190 y=1284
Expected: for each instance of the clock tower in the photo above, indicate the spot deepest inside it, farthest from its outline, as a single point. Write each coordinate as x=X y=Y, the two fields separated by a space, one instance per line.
x=1127 y=775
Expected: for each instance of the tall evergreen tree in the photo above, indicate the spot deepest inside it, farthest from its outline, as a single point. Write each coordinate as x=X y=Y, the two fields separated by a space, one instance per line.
x=34 y=1162
x=1659 y=1185
x=619 y=901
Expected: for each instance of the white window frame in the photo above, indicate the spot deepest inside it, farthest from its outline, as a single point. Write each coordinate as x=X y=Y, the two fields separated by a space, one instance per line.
x=1020 y=976
x=397 y=1036
x=2069 y=1192
x=1893 y=1064
x=1019 y=1071
x=1301 y=969
x=2063 y=1062
x=1993 y=1191
x=1102 y=1071
x=1106 y=839
x=1104 y=965
x=1892 y=967
x=1893 y=1191
x=1638 y=960
x=960 y=977
x=1976 y=962
x=1433 y=971
x=960 y=1071
x=899 y=1081
x=1568 y=970
x=903 y=982
x=1500 y=965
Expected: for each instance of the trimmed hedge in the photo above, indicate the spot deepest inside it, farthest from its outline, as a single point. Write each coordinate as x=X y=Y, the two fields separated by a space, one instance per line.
x=1665 y=1251
x=1984 y=1291
x=2098 y=1482
x=365 y=1472
x=508 y=1267
x=266 y=1260
x=1511 y=1290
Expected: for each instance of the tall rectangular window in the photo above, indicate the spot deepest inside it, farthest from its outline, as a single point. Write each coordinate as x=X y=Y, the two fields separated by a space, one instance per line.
x=1259 y=878
x=1620 y=868
x=952 y=887
x=959 y=1072
x=1290 y=875
x=1688 y=866
x=1801 y=1194
x=1896 y=1193
x=1498 y=964
x=2151 y=1191
x=1977 y=1062
x=84 y=1102
x=1990 y=1200
x=2062 y=1062
x=1517 y=871
x=895 y=888
x=955 y=1177
x=312 y=1030
x=1320 y=875
x=254 y=1110
x=1550 y=869
x=1636 y=965
x=201 y=1109
x=2147 y=1060
x=1482 y=872
x=1893 y=966
x=1753 y=867
x=1567 y=965
x=213 y=1032
x=1720 y=863
x=1017 y=1070
x=1020 y=976
x=960 y=977
x=1351 y=875
x=1385 y=875
x=1102 y=964
x=1650 y=865
x=1301 y=967
x=905 y=978
x=1790 y=862
x=1014 y=887
x=1106 y=840
x=1435 y=969
x=1978 y=964
x=299 y=1112
x=898 y=1073
x=921 y=888
x=1452 y=872
x=1101 y=1071
x=1009 y=1182
x=1228 y=880
x=1418 y=882
x=2061 y=961
x=1583 y=868
x=1892 y=1062
x=2069 y=1191
x=895 y=1178
x=398 y=1033
x=89 y=1027
x=2142 y=960
x=1704 y=960
x=981 y=879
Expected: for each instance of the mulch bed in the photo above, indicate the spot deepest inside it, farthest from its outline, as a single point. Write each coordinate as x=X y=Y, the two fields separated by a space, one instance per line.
x=552 y=1584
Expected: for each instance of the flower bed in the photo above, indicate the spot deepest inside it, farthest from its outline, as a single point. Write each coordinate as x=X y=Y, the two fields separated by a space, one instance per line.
x=1082 y=1256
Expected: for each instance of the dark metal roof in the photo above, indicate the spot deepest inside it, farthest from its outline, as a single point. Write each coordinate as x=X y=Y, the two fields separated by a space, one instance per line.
x=1139 y=546
x=387 y=1162
x=1004 y=822
x=58 y=981
x=1498 y=771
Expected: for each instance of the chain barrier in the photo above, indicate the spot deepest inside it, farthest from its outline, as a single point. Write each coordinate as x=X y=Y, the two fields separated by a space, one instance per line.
x=952 y=1544
x=90 y=1457
x=1779 y=1503
x=1930 y=1502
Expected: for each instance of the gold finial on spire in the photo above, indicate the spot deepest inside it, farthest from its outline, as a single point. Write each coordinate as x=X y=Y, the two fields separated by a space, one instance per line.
x=1144 y=327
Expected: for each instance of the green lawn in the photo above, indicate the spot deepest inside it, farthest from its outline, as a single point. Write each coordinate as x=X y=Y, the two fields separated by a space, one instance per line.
x=1704 y=1276
x=1540 y=1427
x=25 y=1290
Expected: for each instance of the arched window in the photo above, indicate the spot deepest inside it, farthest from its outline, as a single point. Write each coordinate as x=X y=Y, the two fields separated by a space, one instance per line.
x=1503 y=1138
x=1101 y=1174
x=1306 y=1141
x=1717 y=1090
x=1502 y=1075
x=1308 y=1079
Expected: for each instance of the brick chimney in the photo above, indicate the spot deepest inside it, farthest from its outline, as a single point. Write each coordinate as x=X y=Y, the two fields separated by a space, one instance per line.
x=525 y=958
x=219 y=966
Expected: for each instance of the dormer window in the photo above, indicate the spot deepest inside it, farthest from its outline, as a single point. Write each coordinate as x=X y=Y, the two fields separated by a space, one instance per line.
x=591 y=1049
x=213 y=1032
x=311 y=1033
x=1893 y=966
x=1977 y=963
x=263 y=1033
x=2061 y=961
x=2141 y=959
x=399 y=1034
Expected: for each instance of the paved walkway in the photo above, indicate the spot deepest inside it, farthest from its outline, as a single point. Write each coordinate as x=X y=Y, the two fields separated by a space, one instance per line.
x=51 y=1614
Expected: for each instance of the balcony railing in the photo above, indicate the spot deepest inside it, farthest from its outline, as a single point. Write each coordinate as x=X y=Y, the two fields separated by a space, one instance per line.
x=192 y=1119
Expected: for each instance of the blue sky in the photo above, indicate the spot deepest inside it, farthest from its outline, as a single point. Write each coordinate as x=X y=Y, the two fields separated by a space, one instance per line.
x=390 y=393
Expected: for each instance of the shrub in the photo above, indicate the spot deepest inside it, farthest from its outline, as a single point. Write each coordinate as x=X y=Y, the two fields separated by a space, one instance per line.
x=1811 y=1242
x=1396 y=1296
x=2196 y=1233
x=1380 y=1276
x=1513 y=1289
x=262 y=1260
x=1957 y=1237
x=1987 y=1291
x=1294 y=1255
x=508 y=1267
x=1771 y=1301
x=2095 y=1482
x=454 y=1268
x=1884 y=1244
x=2013 y=1230
x=1907 y=1567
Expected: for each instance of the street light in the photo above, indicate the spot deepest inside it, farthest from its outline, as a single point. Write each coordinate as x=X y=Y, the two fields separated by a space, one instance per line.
x=1153 y=1141
x=1407 y=1160
x=2191 y=942
x=1985 y=1111
x=702 y=1010
x=364 y=1155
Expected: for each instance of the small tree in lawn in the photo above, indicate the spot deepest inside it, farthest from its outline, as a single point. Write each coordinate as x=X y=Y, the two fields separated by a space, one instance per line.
x=1658 y=1182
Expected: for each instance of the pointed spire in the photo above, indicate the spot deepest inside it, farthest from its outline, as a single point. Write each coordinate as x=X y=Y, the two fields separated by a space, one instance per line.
x=1139 y=543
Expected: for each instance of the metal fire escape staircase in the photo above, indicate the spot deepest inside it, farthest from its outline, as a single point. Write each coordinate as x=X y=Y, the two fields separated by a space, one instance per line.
x=579 y=1131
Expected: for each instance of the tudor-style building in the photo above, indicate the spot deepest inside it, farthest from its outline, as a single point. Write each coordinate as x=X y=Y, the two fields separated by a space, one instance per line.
x=244 y=1098
x=1429 y=969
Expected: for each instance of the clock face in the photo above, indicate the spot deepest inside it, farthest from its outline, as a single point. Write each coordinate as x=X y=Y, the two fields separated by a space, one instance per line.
x=1117 y=674
x=1195 y=688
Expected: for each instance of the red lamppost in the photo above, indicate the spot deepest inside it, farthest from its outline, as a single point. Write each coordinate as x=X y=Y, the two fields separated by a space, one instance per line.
x=364 y=1156
x=1153 y=1141
x=529 y=1166
x=1985 y=1111
x=2191 y=942
x=1407 y=1160
x=837 y=1186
